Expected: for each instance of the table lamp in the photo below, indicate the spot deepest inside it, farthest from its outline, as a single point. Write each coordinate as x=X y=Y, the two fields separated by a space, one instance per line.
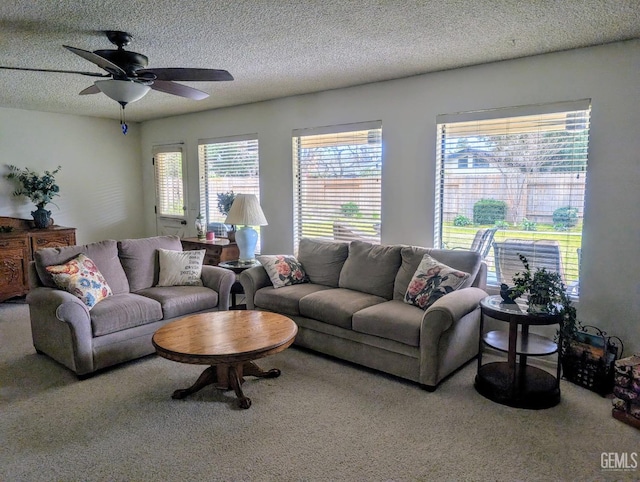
x=246 y=211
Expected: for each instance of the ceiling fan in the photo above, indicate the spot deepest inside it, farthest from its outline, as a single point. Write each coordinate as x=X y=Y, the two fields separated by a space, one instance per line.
x=127 y=79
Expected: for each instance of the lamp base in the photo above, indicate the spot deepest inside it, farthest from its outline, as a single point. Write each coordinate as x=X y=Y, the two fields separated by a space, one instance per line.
x=246 y=239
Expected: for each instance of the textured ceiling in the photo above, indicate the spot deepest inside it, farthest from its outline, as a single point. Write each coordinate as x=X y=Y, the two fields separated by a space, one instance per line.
x=277 y=48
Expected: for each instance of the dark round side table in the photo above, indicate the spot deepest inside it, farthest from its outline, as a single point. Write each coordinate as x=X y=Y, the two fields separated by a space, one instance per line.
x=238 y=267
x=514 y=383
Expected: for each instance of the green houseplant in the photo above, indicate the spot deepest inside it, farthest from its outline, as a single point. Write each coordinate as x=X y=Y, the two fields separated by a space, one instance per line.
x=547 y=294
x=40 y=189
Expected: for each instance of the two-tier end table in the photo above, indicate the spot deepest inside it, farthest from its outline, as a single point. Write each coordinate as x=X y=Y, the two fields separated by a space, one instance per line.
x=513 y=382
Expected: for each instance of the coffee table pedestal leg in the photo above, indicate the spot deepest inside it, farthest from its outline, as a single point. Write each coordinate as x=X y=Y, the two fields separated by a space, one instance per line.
x=228 y=377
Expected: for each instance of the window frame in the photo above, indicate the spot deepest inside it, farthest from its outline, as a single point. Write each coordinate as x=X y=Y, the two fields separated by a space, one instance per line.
x=168 y=149
x=373 y=205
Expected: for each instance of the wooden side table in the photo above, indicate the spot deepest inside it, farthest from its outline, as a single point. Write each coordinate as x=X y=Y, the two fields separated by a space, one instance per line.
x=217 y=250
x=238 y=267
x=513 y=382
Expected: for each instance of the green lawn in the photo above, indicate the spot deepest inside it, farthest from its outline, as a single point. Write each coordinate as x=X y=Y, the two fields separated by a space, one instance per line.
x=570 y=241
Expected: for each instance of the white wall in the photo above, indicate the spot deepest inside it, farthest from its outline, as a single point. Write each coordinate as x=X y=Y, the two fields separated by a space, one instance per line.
x=609 y=75
x=101 y=177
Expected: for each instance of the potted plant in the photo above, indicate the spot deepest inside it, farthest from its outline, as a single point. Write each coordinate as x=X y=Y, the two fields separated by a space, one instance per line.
x=225 y=200
x=40 y=189
x=547 y=294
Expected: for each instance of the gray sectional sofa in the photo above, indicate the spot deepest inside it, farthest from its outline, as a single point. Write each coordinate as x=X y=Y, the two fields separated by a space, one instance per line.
x=118 y=328
x=353 y=307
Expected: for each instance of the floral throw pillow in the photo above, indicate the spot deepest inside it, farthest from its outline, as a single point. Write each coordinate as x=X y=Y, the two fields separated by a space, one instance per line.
x=82 y=278
x=283 y=270
x=431 y=281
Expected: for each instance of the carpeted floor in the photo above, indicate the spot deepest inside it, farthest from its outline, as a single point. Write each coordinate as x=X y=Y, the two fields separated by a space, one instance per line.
x=321 y=420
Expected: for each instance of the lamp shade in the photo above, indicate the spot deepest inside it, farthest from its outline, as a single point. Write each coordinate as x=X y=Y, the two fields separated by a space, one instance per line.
x=122 y=91
x=246 y=210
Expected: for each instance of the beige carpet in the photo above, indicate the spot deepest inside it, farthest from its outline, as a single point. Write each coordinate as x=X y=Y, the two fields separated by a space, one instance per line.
x=321 y=420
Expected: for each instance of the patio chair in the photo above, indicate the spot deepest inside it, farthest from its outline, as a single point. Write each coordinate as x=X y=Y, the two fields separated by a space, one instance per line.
x=345 y=232
x=482 y=241
x=542 y=253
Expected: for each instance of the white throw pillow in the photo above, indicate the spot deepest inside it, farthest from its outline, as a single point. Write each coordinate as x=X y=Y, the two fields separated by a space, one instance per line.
x=180 y=268
x=431 y=281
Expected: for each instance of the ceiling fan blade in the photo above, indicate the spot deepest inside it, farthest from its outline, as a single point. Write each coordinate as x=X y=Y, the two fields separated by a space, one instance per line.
x=178 y=89
x=99 y=61
x=187 y=75
x=91 y=74
x=92 y=89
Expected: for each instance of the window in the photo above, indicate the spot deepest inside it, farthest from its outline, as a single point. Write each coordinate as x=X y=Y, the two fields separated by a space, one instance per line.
x=527 y=179
x=338 y=182
x=167 y=161
x=228 y=164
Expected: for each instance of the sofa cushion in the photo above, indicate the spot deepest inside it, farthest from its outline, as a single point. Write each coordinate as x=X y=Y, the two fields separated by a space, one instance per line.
x=323 y=260
x=463 y=260
x=139 y=258
x=371 y=268
x=181 y=300
x=336 y=306
x=123 y=311
x=285 y=300
x=394 y=320
x=104 y=254
x=180 y=268
x=431 y=281
x=81 y=277
x=283 y=270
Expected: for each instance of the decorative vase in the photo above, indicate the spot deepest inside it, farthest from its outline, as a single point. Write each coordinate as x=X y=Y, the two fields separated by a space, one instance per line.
x=41 y=217
x=231 y=234
x=201 y=227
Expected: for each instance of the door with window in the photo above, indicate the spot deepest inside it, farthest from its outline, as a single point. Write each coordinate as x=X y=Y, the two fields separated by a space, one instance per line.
x=171 y=211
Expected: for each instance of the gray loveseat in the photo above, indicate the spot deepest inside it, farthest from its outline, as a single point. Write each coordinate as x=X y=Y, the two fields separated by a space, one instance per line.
x=118 y=328
x=353 y=307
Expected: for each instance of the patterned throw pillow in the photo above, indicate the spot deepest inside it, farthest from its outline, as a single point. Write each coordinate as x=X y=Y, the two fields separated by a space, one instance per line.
x=180 y=268
x=431 y=281
x=283 y=270
x=82 y=278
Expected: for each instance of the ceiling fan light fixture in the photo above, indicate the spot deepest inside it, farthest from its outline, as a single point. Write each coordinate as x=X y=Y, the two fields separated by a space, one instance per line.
x=122 y=91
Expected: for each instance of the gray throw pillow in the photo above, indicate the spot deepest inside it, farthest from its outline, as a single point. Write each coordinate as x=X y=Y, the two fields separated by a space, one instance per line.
x=322 y=260
x=371 y=268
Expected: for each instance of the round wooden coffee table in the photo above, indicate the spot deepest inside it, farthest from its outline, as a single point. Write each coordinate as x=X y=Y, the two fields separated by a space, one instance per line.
x=228 y=341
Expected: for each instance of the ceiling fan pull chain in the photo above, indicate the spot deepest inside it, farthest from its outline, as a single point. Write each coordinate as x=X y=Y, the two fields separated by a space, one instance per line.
x=123 y=121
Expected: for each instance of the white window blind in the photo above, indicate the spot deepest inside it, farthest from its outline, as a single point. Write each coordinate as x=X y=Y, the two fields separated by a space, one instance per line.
x=167 y=161
x=337 y=187
x=227 y=164
x=518 y=176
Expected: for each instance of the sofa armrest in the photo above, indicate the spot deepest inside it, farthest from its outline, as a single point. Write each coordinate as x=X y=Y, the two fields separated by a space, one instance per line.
x=252 y=280
x=61 y=328
x=444 y=313
x=220 y=280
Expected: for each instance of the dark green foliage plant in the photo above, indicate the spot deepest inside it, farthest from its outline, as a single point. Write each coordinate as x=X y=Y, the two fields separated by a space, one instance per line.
x=350 y=209
x=488 y=211
x=40 y=189
x=566 y=216
x=548 y=294
x=529 y=225
x=461 y=220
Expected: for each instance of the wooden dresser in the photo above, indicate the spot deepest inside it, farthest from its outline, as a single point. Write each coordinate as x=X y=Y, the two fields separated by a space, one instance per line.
x=218 y=250
x=17 y=248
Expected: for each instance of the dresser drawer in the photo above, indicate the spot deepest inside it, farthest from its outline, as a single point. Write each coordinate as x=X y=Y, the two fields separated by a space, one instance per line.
x=51 y=240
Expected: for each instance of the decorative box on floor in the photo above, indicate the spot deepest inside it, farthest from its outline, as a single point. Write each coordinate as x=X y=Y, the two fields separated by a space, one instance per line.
x=590 y=360
x=626 y=404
